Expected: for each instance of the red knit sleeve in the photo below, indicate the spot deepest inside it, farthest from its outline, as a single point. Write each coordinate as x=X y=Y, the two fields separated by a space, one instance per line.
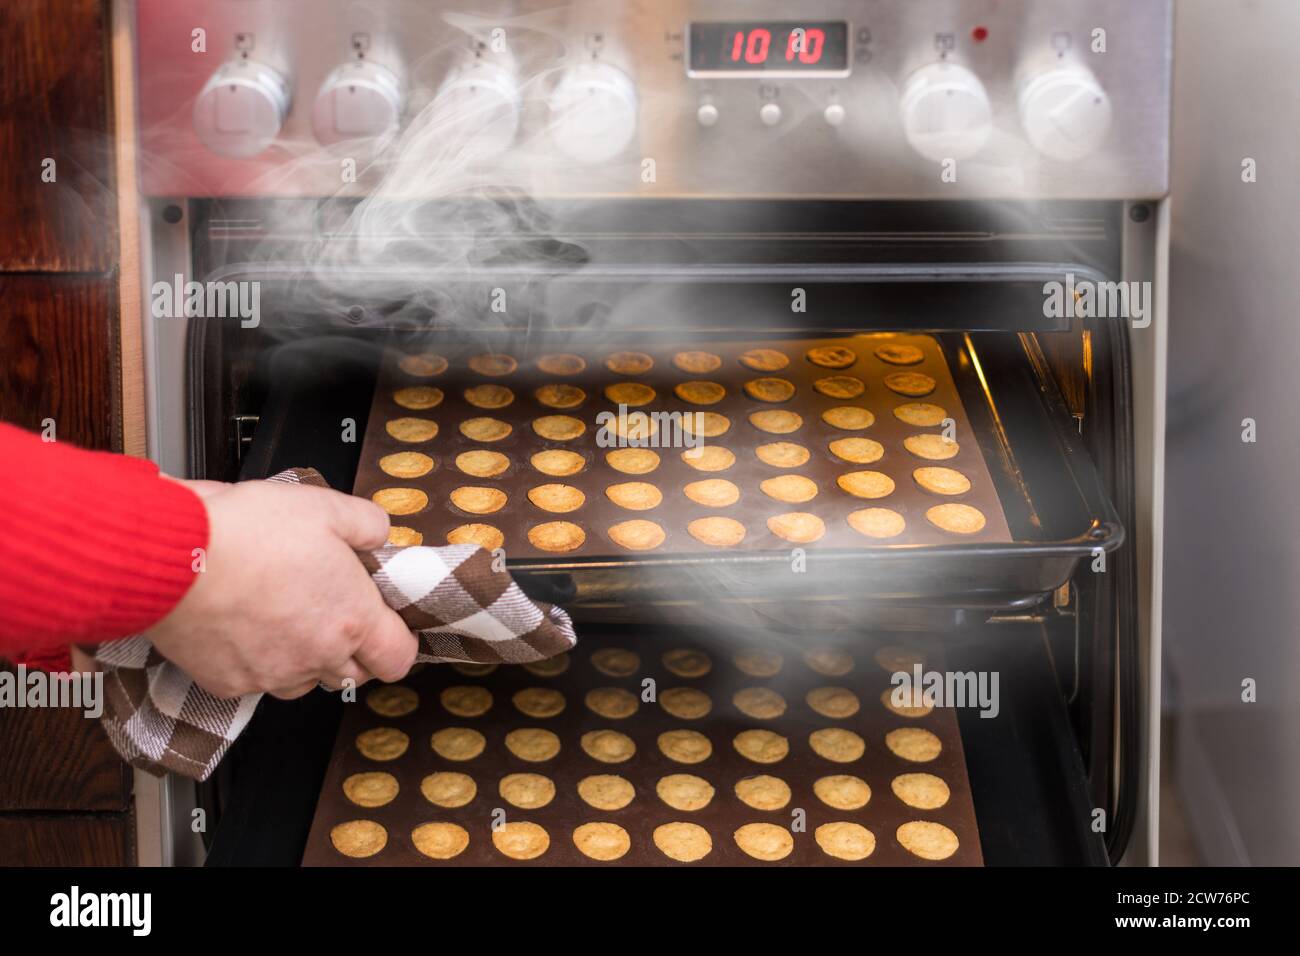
x=93 y=546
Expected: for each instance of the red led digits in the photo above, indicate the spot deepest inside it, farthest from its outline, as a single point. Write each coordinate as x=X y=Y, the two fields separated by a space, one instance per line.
x=806 y=44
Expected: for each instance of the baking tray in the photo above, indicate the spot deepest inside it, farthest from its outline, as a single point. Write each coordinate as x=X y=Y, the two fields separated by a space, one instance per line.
x=882 y=814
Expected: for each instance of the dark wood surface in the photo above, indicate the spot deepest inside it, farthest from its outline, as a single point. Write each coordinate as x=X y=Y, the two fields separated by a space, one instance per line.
x=65 y=840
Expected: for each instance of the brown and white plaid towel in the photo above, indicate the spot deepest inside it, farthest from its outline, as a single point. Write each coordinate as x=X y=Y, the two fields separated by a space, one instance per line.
x=459 y=607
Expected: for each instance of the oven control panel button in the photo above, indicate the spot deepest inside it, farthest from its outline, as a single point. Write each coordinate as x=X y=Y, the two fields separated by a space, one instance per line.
x=1065 y=113
x=240 y=110
x=945 y=112
x=593 y=112
x=359 y=100
x=769 y=114
x=706 y=115
x=834 y=114
x=476 y=111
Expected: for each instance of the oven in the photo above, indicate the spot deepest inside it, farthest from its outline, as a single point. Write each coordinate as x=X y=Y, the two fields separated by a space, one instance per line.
x=329 y=186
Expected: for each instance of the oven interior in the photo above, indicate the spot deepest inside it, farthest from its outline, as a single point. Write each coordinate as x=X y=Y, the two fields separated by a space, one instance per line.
x=1054 y=613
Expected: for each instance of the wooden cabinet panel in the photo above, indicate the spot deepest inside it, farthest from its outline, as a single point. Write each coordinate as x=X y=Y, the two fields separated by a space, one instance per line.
x=37 y=840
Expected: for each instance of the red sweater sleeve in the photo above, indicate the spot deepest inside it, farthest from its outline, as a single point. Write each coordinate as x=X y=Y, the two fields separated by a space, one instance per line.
x=93 y=546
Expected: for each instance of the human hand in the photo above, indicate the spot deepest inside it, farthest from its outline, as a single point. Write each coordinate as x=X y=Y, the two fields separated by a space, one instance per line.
x=283 y=603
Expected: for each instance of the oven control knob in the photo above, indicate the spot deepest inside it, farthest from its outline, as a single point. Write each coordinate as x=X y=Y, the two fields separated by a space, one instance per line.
x=240 y=110
x=359 y=100
x=945 y=111
x=593 y=112
x=1064 y=111
x=476 y=111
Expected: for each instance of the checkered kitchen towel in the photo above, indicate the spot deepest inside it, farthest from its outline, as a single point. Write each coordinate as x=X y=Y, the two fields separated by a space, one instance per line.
x=459 y=607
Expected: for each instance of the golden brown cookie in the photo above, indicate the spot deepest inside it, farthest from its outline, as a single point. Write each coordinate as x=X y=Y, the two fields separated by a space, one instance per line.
x=484 y=535
x=840 y=386
x=798 y=527
x=895 y=658
x=913 y=743
x=418 y=397
x=560 y=395
x=912 y=702
x=423 y=365
x=848 y=417
x=941 y=481
x=558 y=427
x=876 y=522
x=370 y=789
x=845 y=841
x=761 y=746
x=393 y=700
x=758 y=662
x=860 y=451
x=687 y=662
x=769 y=389
x=557 y=536
x=632 y=461
x=485 y=429
x=528 y=791
x=683 y=842
x=359 y=838
x=493 y=363
x=912 y=384
x=533 y=744
x=791 y=489
x=957 y=518
x=832 y=356
x=776 y=421
x=833 y=702
x=700 y=393
x=705 y=424
x=538 y=701
x=489 y=396
x=782 y=454
x=478 y=499
x=837 y=744
x=606 y=791
x=615 y=662
x=440 y=840
x=472 y=669
x=382 y=743
x=866 y=484
x=403 y=537
x=764 y=360
x=602 y=841
x=829 y=661
x=608 y=746
x=709 y=458
x=685 y=703
x=411 y=430
x=446 y=788
x=635 y=429
x=685 y=746
x=896 y=353
x=400 y=501
x=764 y=841
x=696 y=362
x=458 y=743
x=629 y=363
x=635 y=495
x=614 y=703
x=521 y=840
x=482 y=463
x=630 y=393
x=921 y=414
x=551 y=667
x=761 y=703
x=637 y=534
x=763 y=792
x=931 y=447
x=924 y=791
x=557 y=498
x=561 y=363
x=717 y=531
x=842 y=791
x=929 y=841
x=558 y=463
x=684 y=791
x=712 y=492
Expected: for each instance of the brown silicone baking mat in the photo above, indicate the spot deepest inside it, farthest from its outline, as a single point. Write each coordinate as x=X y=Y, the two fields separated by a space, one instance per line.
x=725 y=813
x=676 y=510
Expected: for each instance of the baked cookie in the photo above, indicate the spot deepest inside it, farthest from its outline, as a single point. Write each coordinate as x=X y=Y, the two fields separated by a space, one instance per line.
x=896 y=353
x=921 y=414
x=709 y=458
x=551 y=667
x=764 y=841
x=635 y=429
x=418 y=397
x=697 y=363
x=832 y=356
x=829 y=661
x=833 y=702
x=482 y=463
x=685 y=746
x=561 y=363
x=876 y=522
x=957 y=518
x=860 y=451
x=602 y=841
x=761 y=703
x=538 y=702
x=758 y=662
x=614 y=703
x=557 y=498
x=912 y=702
x=472 y=669
x=845 y=841
x=712 y=492
x=485 y=429
x=533 y=744
x=493 y=363
x=520 y=840
x=458 y=743
x=769 y=389
x=557 y=462
x=558 y=427
x=400 y=501
x=422 y=365
x=924 y=791
x=683 y=842
x=837 y=744
x=615 y=662
x=782 y=454
x=763 y=792
x=840 y=386
x=941 y=481
x=411 y=430
x=776 y=421
x=447 y=788
x=370 y=789
x=717 y=531
x=791 y=489
x=850 y=418
x=842 y=791
x=761 y=746
x=556 y=536
x=403 y=537
x=912 y=384
x=393 y=700
x=630 y=393
x=635 y=495
x=629 y=363
x=686 y=662
x=527 y=791
x=931 y=447
x=606 y=791
x=637 y=534
x=685 y=703
x=484 y=535
x=929 y=841
x=866 y=484
x=359 y=838
x=798 y=527
x=560 y=395
x=440 y=840
x=913 y=743
x=705 y=424
x=700 y=393
x=764 y=360
x=382 y=743
x=632 y=461
x=466 y=701
x=478 y=499
x=608 y=746
x=489 y=396
x=684 y=791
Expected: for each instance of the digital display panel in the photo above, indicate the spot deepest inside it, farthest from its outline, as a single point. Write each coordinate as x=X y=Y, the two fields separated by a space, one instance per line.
x=787 y=46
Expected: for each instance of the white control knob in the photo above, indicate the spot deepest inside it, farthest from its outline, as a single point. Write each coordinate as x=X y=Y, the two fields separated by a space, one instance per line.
x=359 y=100
x=945 y=112
x=593 y=112
x=706 y=114
x=240 y=110
x=769 y=114
x=834 y=114
x=1065 y=112
x=476 y=111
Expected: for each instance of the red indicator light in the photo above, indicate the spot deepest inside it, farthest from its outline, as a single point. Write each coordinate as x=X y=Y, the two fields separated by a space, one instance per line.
x=979 y=34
